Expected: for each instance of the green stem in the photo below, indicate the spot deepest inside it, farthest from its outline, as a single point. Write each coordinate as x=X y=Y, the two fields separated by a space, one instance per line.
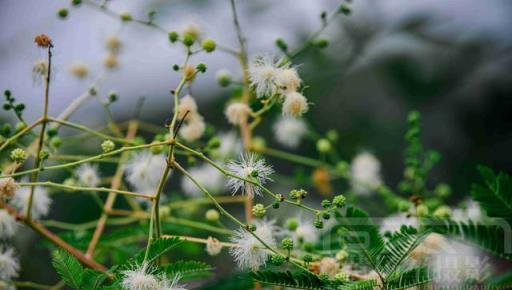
x=91 y=131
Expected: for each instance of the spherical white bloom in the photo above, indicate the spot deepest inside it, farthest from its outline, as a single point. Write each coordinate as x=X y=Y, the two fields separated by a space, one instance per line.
x=88 y=175
x=365 y=173
x=7 y=224
x=113 y=43
x=430 y=245
x=140 y=279
x=40 y=202
x=305 y=231
x=295 y=104
x=288 y=80
x=193 y=129
x=262 y=73
x=144 y=171
x=193 y=29
x=79 y=70
x=237 y=112
x=213 y=246
x=248 y=167
x=9 y=265
x=394 y=222
x=289 y=131
x=187 y=104
x=329 y=266
x=208 y=176
x=230 y=146
x=248 y=252
x=8 y=187
x=471 y=212
x=173 y=284
x=455 y=263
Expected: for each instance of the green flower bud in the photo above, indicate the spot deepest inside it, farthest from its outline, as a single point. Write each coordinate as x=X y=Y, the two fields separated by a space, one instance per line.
x=126 y=17
x=342 y=277
x=6 y=130
x=443 y=190
x=341 y=255
x=404 y=205
x=165 y=211
x=258 y=143
x=276 y=204
x=421 y=210
x=319 y=224
x=56 y=142
x=107 y=146
x=292 y=224
x=324 y=277
x=223 y=78
x=277 y=260
x=18 y=155
x=139 y=140
x=157 y=149
x=298 y=194
x=281 y=44
x=176 y=67
x=251 y=228
x=76 y=2
x=322 y=43
x=443 y=212
x=326 y=203
x=52 y=132
x=214 y=143
x=332 y=135
x=173 y=36
x=43 y=155
x=62 y=13
x=339 y=200
x=259 y=210
x=212 y=215
x=344 y=9
x=307 y=258
x=189 y=39
x=326 y=215
x=308 y=246
x=112 y=97
x=208 y=45
x=342 y=168
x=20 y=126
x=201 y=67
x=323 y=146
x=287 y=244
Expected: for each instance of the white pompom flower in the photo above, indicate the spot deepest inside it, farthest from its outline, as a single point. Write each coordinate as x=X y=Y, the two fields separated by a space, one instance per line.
x=88 y=175
x=187 y=105
x=193 y=129
x=208 y=176
x=41 y=201
x=9 y=265
x=213 y=246
x=289 y=131
x=140 y=278
x=249 y=252
x=262 y=73
x=249 y=167
x=295 y=104
x=305 y=232
x=365 y=173
x=144 y=170
x=7 y=224
x=288 y=80
x=173 y=284
x=237 y=113
x=8 y=187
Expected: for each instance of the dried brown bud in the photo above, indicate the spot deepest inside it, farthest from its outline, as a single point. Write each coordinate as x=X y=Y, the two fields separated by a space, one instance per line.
x=43 y=40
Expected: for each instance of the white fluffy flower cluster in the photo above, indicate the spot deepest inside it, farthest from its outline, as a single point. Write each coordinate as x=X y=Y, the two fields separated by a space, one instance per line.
x=248 y=251
x=88 y=175
x=208 y=176
x=289 y=131
x=41 y=201
x=9 y=265
x=144 y=171
x=194 y=125
x=365 y=173
x=141 y=278
x=269 y=78
x=248 y=167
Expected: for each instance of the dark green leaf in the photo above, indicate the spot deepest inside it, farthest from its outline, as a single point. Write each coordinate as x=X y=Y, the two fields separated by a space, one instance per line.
x=68 y=268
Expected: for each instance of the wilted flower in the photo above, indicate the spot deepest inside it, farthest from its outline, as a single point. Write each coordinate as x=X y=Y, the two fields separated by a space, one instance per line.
x=43 y=40
x=213 y=246
x=249 y=167
x=289 y=131
x=39 y=70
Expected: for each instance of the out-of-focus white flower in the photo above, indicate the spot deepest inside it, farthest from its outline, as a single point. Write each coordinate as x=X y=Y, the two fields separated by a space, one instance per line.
x=329 y=266
x=471 y=211
x=208 y=176
x=8 y=187
x=7 y=224
x=144 y=171
x=213 y=246
x=393 y=223
x=365 y=173
x=88 y=175
x=193 y=129
x=113 y=43
x=79 y=70
x=237 y=112
x=430 y=245
x=173 y=284
x=288 y=80
x=248 y=252
x=193 y=29
x=305 y=231
x=187 y=104
x=41 y=201
x=295 y=104
x=248 y=167
x=289 y=131
x=39 y=70
x=140 y=278
x=455 y=263
x=230 y=146
x=262 y=73
x=9 y=265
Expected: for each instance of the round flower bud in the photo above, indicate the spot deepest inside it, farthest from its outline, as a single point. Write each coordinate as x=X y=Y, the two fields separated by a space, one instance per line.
x=20 y=126
x=236 y=113
x=165 y=211
x=443 y=212
x=298 y=194
x=251 y=228
x=319 y=224
x=443 y=190
x=125 y=16
x=342 y=168
x=107 y=146
x=56 y=142
x=173 y=36
x=324 y=277
x=277 y=260
x=212 y=215
x=275 y=205
x=292 y=224
x=111 y=61
x=76 y=2
x=79 y=70
x=326 y=215
x=43 y=155
x=308 y=246
x=214 y=143
x=323 y=146
x=189 y=39
x=223 y=77
x=259 y=210
x=208 y=45
x=344 y=9
x=322 y=43
x=339 y=200
x=258 y=144
x=342 y=277
x=421 y=210
x=201 y=67
x=287 y=244
x=404 y=206
x=62 y=13
x=326 y=203
x=113 y=43
x=307 y=258
x=18 y=155
x=341 y=255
